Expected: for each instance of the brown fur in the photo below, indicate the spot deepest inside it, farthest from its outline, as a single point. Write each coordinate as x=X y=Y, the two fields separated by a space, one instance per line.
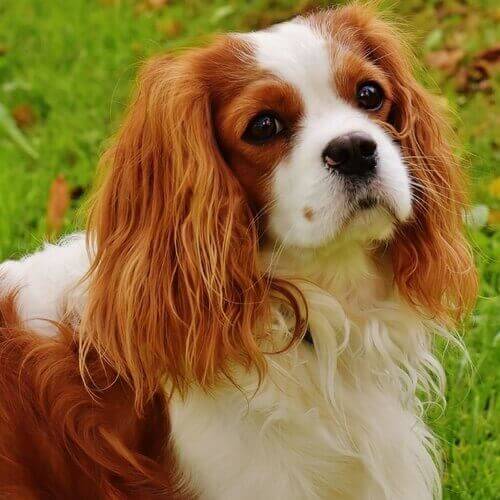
x=57 y=442
x=175 y=290
x=254 y=164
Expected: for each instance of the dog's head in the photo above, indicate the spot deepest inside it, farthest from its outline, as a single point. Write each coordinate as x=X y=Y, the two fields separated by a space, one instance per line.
x=306 y=133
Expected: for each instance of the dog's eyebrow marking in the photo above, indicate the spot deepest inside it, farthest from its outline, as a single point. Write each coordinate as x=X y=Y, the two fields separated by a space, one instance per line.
x=297 y=53
x=308 y=213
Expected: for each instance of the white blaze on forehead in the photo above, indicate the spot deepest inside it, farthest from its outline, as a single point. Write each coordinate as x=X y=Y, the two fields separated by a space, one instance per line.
x=299 y=55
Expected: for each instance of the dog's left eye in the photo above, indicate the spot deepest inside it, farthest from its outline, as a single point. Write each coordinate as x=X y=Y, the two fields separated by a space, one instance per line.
x=263 y=128
x=370 y=96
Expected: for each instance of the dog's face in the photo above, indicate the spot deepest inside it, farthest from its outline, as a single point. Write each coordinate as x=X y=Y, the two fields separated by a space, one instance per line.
x=305 y=134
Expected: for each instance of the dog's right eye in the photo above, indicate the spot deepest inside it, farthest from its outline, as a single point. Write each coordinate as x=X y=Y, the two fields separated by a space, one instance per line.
x=370 y=96
x=263 y=128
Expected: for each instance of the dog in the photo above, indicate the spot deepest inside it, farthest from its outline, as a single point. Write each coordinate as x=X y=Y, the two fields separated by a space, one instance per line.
x=276 y=240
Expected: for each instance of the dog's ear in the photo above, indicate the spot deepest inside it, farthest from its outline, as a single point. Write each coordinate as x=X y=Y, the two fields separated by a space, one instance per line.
x=432 y=260
x=174 y=289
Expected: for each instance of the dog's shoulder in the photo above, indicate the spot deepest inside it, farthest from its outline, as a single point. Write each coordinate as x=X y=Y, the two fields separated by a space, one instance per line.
x=48 y=282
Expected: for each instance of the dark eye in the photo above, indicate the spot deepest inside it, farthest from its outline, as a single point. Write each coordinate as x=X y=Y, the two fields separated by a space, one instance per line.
x=370 y=96
x=263 y=128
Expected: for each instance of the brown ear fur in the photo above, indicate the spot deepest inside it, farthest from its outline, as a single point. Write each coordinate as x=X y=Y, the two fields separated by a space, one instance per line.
x=432 y=260
x=174 y=288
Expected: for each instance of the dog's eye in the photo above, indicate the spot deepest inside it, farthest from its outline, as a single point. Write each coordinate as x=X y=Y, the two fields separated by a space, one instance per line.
x=263 y=128
x=370 y=96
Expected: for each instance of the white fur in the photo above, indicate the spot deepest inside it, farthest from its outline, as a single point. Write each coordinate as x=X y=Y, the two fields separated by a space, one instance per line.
x=337 y=421
x=302 y=57
x=47 y=282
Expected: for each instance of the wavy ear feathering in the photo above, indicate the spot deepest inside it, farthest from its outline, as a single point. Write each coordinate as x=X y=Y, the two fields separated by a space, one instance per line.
x=174 y=289
x=432 y=260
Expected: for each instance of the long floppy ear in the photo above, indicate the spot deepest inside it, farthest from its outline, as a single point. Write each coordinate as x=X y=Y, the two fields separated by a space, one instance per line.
x=432 y=260
x=174 y=289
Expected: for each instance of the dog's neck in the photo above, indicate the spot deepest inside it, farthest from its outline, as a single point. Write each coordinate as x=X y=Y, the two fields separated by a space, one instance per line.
x=356 y=274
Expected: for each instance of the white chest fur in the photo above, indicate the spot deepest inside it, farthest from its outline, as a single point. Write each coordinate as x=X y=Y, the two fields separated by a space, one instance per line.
x=340 y=420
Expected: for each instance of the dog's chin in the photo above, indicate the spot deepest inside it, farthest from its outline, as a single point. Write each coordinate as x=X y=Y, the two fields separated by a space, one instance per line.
x=370 y=224
x=371 y=221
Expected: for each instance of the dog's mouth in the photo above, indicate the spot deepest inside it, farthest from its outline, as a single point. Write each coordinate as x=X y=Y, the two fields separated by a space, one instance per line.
x=368 y=203
x=371 y=202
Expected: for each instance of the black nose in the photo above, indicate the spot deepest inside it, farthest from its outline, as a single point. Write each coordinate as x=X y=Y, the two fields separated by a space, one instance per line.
x=351 y=154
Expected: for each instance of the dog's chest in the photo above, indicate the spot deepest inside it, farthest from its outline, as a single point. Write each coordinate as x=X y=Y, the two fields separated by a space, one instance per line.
x=311 y=431
x=277 y=445
x=339 y=420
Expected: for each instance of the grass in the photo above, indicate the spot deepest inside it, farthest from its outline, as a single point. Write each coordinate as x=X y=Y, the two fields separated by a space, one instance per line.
x=71 y=65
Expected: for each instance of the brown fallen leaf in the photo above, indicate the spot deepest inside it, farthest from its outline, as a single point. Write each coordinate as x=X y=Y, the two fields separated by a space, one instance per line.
x=476 y=76
x=491 y=54
x=24 y=115
x=3 y=49
x=57 y=206
x=446 y=60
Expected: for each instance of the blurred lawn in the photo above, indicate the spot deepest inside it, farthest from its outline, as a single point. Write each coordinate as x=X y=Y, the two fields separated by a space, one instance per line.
x=66 y=69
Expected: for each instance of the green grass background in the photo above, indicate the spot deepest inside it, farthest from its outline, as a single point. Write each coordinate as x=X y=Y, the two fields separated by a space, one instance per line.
x=72 y=62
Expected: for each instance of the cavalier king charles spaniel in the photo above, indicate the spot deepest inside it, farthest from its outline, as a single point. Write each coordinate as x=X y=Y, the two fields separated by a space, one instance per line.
x=276 y=240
